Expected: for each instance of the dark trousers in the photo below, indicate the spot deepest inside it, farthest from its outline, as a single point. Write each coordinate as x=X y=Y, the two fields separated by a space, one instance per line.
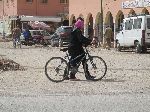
x=27 y=40
x=74 y=62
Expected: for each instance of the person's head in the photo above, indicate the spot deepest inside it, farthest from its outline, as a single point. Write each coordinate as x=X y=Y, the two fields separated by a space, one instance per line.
x=79 y=24
x=108 y=26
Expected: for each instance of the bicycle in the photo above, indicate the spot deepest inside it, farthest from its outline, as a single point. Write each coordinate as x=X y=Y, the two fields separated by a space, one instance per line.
x=16 y=43
x=58 y=68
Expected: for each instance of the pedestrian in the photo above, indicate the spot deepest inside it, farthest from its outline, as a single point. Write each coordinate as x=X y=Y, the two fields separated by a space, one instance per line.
x=108 y=36
x=16 y=33
x=95 y=42
x=77 y=41
x=27 y=35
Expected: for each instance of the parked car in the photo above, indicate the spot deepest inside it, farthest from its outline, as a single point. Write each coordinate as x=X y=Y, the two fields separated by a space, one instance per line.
x=47 y=37
x=61 y=36
x=38 y=37
x=54 y=40
x=134 y=33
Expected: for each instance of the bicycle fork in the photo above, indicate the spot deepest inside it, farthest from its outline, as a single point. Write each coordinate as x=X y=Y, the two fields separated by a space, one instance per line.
x=94 y=65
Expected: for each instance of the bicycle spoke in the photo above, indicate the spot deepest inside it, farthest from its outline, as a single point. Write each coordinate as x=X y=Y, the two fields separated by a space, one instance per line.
x=97 y=67
x=55 y=69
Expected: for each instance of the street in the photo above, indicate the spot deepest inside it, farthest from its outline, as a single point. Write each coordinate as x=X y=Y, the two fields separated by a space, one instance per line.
x=125 y=88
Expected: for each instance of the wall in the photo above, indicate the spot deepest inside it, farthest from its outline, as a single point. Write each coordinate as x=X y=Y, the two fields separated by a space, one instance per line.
x=52 y=8
x=113 y=13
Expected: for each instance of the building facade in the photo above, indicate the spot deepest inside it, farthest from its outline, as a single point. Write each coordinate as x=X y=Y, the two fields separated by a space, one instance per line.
x=98 y=14
x=13 y=11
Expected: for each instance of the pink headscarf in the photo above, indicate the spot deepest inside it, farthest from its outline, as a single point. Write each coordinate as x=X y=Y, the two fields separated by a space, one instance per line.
x=79 y=24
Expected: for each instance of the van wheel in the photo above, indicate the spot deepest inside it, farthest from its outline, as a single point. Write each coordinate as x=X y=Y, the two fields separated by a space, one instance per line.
x=138 y=48
x=118 y=47
x=144 y=49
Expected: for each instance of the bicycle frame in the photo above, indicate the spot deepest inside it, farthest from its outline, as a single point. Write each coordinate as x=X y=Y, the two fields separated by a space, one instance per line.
x=16 y=42
x=86 y=54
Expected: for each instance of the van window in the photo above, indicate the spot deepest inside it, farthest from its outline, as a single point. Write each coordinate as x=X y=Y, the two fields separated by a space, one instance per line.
x=148 y=23
x=137 y=23
x=128 y=24
x=69 y=29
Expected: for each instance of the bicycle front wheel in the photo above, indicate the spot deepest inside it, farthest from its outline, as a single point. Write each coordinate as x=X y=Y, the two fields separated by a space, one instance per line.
x=14 y=43
x=56 y=69
x=96 y=67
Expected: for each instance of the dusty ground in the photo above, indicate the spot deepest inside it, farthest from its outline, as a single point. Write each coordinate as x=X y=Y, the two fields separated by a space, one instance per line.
x=126 y=86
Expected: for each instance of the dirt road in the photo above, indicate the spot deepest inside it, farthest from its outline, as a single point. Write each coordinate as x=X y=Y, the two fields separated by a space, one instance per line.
x=126 y=86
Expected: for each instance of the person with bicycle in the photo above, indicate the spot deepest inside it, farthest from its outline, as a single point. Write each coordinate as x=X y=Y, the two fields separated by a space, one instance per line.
x=16 y=33
x=75 y=48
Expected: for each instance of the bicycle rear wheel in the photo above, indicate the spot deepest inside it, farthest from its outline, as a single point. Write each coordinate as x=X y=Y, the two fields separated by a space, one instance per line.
x=19 y=44
x=96 y=67
x=56 y=69
x=14 y=43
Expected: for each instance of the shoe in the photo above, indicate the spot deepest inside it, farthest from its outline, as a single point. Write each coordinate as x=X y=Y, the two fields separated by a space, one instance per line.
x=90 y=77
x=74 y=79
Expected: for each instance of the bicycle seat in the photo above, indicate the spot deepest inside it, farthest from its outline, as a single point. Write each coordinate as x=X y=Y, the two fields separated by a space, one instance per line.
x=64 y=49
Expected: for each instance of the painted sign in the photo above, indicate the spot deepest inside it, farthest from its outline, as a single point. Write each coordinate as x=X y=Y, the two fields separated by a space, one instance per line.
x=146 y=3
x=135 y=4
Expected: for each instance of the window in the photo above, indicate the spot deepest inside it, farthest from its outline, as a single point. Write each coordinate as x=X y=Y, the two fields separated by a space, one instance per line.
x=44 y=1
x=137 y=23
x=29 y=0
x=64 y=1
x=129 y=24
x=148 y=23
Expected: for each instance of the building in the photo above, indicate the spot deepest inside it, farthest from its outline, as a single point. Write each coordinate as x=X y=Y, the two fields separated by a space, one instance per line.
x=98 y=14
x=14 y=12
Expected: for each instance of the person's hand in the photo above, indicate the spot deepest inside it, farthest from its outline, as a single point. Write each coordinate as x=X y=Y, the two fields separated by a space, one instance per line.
x=64 y=49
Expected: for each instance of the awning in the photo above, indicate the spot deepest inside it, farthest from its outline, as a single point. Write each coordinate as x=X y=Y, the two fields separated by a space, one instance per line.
x=40 y=18
x=38 y=24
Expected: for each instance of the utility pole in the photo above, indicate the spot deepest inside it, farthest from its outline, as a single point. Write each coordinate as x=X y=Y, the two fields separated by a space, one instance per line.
x=101 y=3
x=3 y=21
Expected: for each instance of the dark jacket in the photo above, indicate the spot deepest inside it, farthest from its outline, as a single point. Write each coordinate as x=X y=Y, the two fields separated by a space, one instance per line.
x=77 y=41
x=26 y=34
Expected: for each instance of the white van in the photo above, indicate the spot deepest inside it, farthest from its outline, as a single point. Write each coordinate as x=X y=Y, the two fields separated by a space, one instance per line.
x=134 y=33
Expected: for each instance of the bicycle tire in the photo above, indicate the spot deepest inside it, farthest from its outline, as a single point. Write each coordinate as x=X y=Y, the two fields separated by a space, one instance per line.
x=97 y=67
x=56 y=69
x=19 y=44
x=14 y=44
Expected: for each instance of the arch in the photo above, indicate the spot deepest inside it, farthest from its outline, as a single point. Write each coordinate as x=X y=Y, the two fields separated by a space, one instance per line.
x=98 y=26
x=132 y=12
x=109 y=20
x=65 y=20
x=72 y=19
x=98 y=16
x=88 y=16
x=145 y=11
x=89 y=26
x=119 y=20
x=81 y=15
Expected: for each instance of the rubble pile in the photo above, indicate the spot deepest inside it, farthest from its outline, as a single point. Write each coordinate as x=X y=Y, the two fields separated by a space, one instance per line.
x=7 y=64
